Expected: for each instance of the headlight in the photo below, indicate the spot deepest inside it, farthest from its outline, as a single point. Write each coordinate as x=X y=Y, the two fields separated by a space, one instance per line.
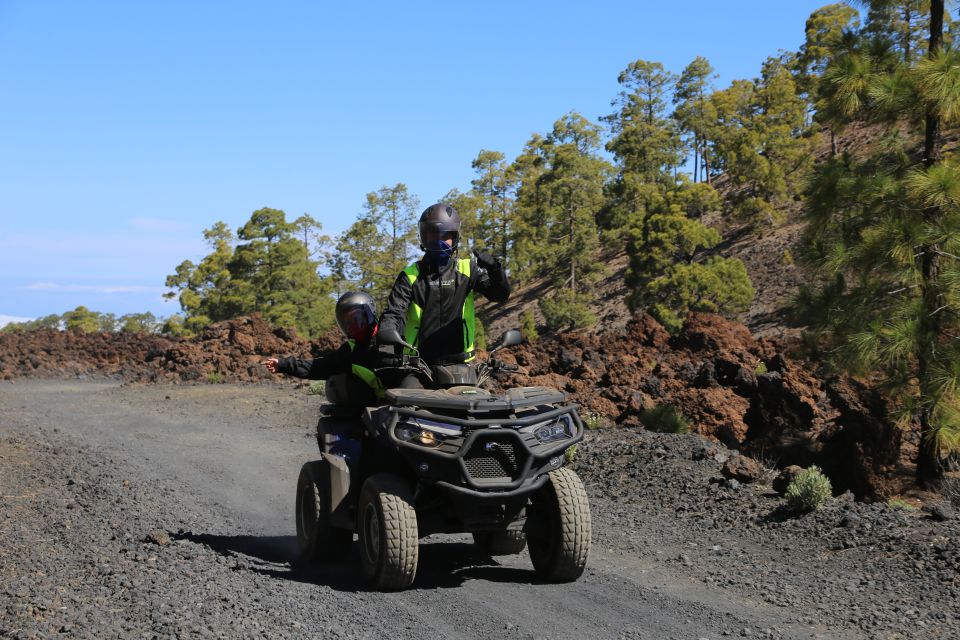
x=426 y=433
x=553 y=430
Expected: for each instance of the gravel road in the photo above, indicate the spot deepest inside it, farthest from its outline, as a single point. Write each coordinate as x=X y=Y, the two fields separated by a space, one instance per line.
x=167 y=511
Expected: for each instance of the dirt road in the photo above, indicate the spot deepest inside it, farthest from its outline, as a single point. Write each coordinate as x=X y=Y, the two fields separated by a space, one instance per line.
x=167 y=511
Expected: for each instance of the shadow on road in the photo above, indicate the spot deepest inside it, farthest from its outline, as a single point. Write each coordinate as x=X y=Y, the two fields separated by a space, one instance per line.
x=441 y=564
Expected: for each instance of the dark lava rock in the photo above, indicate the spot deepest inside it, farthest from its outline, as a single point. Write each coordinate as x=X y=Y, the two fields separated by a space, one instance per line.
x=743 y=469
x=785 y=477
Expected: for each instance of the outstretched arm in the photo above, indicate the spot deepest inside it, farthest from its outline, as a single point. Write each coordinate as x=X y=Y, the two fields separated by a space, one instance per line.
x=317 y=369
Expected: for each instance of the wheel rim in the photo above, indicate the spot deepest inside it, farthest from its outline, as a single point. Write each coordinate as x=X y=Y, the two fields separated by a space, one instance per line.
x=371 y=526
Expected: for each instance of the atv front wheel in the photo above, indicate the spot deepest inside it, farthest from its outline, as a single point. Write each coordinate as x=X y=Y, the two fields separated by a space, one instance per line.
x=500 y=543
x=316 y=538
x=558 y=536
x=387 y=532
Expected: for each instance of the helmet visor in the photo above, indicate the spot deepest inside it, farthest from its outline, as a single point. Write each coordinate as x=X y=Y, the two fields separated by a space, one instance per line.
x=355 y=323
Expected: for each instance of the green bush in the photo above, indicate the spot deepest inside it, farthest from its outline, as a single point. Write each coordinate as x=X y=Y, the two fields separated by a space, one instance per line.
x=664 y=418
x=808 y=490
x=570 y=453
x=593 y=420
x=567 y=310
x=215 y=377
x=760 y=368
x=317 y=388
x=528 y=326
x=479 y=336
x=900 y=503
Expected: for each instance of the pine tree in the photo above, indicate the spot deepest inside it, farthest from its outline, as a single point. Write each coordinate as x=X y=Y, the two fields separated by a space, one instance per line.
x=645 y=143
x=561 y=179
x=885 y=232
x=664 y=276
x=379 y=244
x=760 y=141
x=265 y=269
x=694 y=112
x=494 y=189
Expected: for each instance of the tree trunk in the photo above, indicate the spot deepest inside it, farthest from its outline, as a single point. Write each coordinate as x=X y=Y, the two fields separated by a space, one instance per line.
x=696 y=159
x=929 y=469
x=706 y=162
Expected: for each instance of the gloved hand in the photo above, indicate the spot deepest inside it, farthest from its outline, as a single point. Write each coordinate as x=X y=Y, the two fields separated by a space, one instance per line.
x=486 y=261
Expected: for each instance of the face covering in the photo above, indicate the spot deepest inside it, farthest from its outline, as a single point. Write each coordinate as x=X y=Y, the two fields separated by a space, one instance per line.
x=438 y=253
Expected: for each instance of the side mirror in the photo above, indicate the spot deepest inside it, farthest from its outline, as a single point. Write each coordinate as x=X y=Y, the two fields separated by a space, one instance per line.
x=392 y=337
x=509 y=339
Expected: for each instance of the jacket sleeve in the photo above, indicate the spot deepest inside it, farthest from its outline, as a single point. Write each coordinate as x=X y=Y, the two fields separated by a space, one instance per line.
x=395 y=315
x=320 y=368
x=492 y=283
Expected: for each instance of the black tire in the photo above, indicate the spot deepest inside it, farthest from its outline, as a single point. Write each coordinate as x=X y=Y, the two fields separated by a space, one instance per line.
x=387 y=532
x=316 y=538
x=500 y=543
x=559 y=542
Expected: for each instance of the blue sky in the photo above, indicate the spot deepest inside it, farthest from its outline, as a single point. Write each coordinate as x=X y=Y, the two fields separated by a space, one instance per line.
x=126 y=128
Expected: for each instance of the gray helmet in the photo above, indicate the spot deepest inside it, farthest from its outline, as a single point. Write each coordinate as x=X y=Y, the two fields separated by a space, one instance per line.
x=439 y=218
x=357 y=315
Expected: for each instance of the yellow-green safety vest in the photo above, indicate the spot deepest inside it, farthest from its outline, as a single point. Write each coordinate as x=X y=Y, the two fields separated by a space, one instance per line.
x=369 y=377
x=415 y=311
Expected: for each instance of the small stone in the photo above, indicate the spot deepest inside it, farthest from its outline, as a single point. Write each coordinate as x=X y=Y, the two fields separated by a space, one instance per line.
x=158 y=537
x=942 y=511
x=743 y=469
x=783 y=480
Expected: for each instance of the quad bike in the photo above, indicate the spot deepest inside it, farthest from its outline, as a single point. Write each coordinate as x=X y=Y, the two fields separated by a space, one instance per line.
x=454 y=459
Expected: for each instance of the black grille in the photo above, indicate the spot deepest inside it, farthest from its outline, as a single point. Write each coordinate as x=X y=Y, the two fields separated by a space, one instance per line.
x=491 y=460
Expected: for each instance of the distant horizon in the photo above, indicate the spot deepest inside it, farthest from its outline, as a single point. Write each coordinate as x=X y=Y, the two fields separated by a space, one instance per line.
x=136 y=126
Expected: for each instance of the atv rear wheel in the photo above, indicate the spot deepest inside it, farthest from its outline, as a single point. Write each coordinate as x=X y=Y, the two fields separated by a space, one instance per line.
x=316 y=538
x=387 y=532
x=559 y=535
x=500 y=543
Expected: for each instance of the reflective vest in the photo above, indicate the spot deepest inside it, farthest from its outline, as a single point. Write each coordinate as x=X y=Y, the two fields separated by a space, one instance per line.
x=369 y=377
x=467 y=314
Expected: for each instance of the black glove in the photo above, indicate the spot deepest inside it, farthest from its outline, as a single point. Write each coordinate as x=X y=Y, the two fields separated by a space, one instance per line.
x=486 y=261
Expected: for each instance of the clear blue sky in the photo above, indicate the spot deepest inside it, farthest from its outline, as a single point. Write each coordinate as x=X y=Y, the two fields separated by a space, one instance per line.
x=126 y=128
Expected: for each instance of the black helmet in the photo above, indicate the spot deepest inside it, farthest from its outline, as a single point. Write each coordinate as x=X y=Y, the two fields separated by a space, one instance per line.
x=435 y=222
x=357 y=315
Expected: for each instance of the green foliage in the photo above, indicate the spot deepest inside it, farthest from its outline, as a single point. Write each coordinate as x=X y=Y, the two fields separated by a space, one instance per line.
x=760 y=142
x=317 y=388
x=374 y=250
x=528 y=326
x=570 y=453
x=265 y=268
x=808 y=490
x=900 y=503
x=664 y=279
x=760 y=368
x=664 y=418
x=174 y=327
x=884 y=232
x=694 y=112
x=594 y=420
x=215 y=377
x=645 y=143
x=480 y=336
x=560 y=195
x=81 y=319
x=139 y=323
x=567 y=310
x=52 y=321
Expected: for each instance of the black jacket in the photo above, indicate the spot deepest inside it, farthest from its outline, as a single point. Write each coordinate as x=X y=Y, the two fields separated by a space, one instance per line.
x=441 y=294
x=367 y=355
